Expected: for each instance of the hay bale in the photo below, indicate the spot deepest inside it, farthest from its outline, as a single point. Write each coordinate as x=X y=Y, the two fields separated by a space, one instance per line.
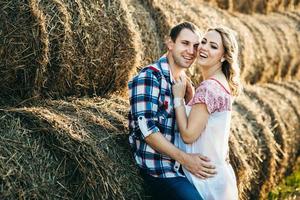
x=266 y=146
x=281 y=104
x=245 y=167
x=28 y=169
x=84 y=143
x=59 y=47
x=256 y=6
x=149 y=40
x=24 y=47
x=89 y=139
x=259 y=36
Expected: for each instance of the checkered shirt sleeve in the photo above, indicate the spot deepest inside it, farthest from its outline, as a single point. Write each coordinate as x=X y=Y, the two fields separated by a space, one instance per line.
x=144 y=94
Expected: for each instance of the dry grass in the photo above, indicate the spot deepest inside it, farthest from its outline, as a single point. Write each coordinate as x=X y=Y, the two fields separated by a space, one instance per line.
x=82 y=144
x=268 y=52
x=86 y=143
x=256 y=6
x=59 y=48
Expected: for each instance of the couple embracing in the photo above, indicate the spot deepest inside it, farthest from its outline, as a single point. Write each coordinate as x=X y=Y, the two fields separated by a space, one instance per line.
x=179 y=136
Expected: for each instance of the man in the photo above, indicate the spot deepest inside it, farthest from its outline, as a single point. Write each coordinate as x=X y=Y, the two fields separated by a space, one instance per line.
x=152 y=121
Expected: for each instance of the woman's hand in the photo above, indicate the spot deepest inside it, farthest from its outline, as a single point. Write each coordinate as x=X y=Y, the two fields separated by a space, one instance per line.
x=179 y=87
x=190 y=90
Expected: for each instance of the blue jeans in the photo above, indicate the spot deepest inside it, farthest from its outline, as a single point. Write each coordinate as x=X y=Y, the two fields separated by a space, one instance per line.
x=178 y=188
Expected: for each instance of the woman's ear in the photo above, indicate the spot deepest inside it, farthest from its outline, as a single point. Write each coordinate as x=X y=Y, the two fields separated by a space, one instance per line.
x=222 y=59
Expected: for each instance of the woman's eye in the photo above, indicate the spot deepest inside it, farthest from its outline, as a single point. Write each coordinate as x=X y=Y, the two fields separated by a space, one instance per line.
x=214 y=47
x=203 y=42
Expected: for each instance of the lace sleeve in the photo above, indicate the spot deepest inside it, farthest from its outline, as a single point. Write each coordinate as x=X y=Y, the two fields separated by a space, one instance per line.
x=205 y=94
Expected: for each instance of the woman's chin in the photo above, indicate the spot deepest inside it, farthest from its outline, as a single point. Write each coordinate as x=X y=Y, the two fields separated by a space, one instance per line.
x=202 y=63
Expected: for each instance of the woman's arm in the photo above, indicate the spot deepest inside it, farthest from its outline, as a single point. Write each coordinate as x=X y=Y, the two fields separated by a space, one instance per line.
x=191 y=127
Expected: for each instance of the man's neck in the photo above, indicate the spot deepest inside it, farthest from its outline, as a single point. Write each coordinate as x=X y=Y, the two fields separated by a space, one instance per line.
x=175 y=70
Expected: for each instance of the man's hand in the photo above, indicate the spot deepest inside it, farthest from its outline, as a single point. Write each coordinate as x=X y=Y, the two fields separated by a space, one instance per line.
x=199 y=166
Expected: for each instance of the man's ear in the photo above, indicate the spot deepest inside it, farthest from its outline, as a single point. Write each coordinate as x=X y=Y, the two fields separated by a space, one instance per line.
x=169 y=43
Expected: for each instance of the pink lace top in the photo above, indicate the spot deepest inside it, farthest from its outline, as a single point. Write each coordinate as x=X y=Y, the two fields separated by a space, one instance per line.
x=212 y=93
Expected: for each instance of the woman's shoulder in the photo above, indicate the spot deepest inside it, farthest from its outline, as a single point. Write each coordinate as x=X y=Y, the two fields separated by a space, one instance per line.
x=213 y=85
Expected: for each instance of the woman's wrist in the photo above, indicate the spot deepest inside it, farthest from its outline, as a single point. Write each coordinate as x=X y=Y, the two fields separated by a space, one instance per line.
x=178 y=101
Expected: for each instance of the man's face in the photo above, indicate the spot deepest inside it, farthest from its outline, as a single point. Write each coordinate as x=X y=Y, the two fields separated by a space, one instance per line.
x=184 y=49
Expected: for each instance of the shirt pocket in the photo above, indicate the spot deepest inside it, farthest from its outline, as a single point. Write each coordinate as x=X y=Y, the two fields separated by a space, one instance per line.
x=166 y=104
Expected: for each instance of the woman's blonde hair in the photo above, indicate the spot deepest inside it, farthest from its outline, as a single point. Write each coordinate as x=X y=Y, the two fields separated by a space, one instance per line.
x=230 y=67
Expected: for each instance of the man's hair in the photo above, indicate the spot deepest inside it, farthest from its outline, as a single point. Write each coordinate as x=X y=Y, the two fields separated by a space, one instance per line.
x=179 y=27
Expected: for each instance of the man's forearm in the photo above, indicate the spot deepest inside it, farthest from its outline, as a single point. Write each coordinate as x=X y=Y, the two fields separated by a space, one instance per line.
x=159 y=143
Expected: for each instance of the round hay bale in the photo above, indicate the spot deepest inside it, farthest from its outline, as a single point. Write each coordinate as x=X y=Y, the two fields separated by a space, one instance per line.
x=149 y=40
x=59 y=48
x=259 y=36
x=276 y=126
x=268 y=149
x=89 y=138
x=240 y=142
x=88 y=142
x=256 y=6
x=24 y=48
x=28 y=168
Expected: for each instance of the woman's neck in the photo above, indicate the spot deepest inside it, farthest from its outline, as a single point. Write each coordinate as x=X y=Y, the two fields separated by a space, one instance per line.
x=212 y=71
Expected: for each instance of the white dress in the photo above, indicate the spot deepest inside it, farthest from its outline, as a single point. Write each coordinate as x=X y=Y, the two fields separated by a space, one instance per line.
x=213 y=142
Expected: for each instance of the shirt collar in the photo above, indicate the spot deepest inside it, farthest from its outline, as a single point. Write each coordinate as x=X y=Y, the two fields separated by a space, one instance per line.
x=165 y=68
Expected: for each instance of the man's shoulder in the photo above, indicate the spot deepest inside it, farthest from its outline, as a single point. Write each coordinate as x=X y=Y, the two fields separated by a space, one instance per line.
x=150 y=71
x=151 y=68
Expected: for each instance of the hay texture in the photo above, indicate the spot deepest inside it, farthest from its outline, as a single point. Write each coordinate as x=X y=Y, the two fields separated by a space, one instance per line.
x=265 y=124
x=79 y=147
x=59 y=48
x=269 y=44
x=256 y=6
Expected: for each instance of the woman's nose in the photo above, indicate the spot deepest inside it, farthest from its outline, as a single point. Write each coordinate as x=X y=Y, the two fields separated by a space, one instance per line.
x=202 y=47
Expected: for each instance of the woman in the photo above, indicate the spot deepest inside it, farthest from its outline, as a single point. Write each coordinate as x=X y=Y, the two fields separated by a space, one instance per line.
x=206 y=129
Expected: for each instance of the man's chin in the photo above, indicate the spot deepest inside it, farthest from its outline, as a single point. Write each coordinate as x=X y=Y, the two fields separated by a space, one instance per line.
x=186 y=65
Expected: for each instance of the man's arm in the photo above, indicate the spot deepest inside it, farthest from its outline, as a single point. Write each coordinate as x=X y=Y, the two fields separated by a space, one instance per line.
x=144 y=104
x=195 y=163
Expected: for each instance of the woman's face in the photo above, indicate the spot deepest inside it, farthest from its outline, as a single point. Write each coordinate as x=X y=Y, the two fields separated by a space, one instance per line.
x=211 y=49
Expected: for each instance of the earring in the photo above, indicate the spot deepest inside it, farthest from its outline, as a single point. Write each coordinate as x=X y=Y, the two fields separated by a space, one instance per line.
x=222 y=59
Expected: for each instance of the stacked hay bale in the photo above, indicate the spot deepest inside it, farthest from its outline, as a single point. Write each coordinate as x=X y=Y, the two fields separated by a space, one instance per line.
x=148 y=33
x=268 y=51
x=77 y=148
x=259 y=6
x=58 y=47
x=84 y=145
x=264 y=129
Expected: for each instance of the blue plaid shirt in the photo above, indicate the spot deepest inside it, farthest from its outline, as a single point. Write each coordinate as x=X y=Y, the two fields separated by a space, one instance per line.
x=152 y=111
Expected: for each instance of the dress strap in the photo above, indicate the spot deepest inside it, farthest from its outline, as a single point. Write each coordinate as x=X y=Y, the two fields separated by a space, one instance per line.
x=220 y=84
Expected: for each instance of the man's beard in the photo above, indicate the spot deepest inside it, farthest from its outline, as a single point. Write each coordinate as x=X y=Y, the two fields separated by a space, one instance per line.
x=181 y=64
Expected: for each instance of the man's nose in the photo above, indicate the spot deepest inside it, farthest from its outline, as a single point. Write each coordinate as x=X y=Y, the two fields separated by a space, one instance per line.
x=190 y=49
